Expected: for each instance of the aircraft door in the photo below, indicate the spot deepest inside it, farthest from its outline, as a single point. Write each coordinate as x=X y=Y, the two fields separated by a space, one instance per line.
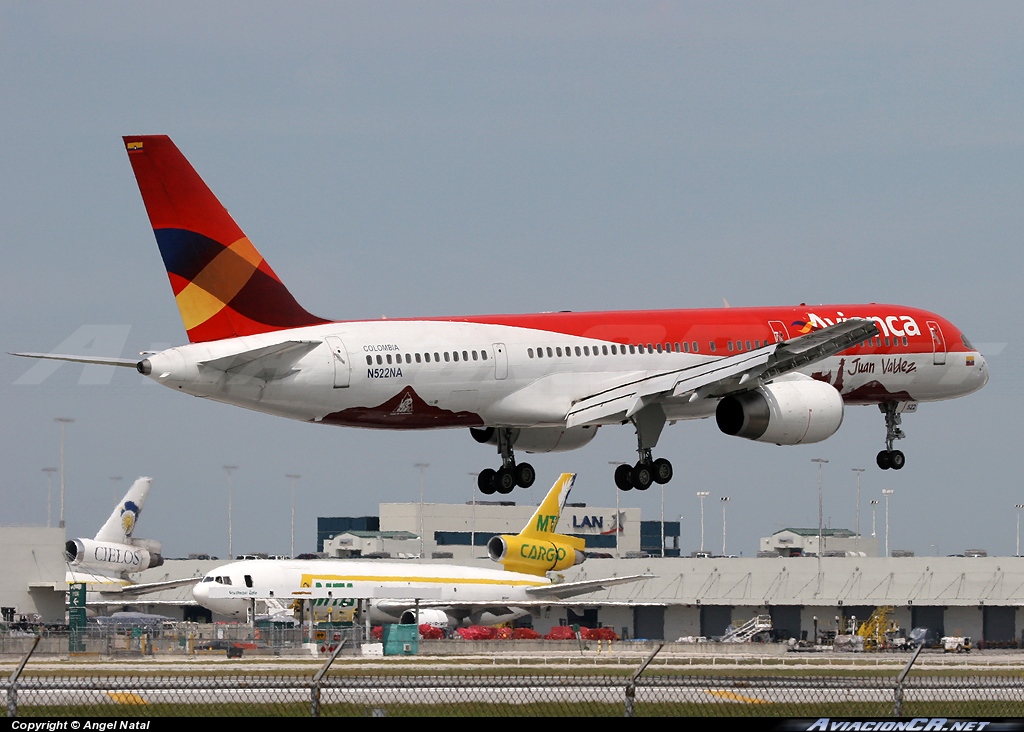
x=938 y=343
x=779 y=329
x=500 y=361
x=342 y=366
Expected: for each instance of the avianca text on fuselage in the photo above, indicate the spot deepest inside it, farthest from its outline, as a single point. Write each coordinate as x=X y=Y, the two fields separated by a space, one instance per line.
x=539 y=382
x=889 y=325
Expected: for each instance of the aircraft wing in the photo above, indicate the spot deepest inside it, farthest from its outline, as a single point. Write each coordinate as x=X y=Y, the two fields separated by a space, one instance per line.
x=115 y=592
x=561 y=590
x=557 y=591
x=148 y=587
x=720 y=376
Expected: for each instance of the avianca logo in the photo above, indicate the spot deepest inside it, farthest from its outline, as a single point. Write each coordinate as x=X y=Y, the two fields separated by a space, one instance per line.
x=889 y=325
x=803 y=327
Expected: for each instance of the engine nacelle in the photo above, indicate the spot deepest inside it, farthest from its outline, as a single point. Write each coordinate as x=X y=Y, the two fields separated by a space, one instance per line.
x=535 y=556
x=786 y=412
x=433 y=617
x=111 y=557
x=540 y=439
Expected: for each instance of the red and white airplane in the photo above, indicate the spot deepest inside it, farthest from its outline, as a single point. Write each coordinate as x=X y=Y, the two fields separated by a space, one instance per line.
x=542 y=382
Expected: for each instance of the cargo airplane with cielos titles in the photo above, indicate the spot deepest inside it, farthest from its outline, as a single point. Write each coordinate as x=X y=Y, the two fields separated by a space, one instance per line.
x=541 y=382
x=442 y=594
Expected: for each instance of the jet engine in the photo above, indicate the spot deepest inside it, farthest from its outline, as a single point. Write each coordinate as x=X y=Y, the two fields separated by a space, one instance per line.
x=785 y=412
x=433 y=617
x=540 y=439
x=106 y=555
x=532 y=555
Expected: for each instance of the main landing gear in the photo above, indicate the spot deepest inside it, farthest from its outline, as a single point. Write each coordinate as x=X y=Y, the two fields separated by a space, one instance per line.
x=509 y=475
x=889 y=458
x=649 y=422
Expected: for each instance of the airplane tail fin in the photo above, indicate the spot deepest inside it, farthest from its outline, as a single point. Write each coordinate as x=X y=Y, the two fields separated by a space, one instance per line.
x=545 y=518
x=223 y=286
x=121 y=523
x=538 y=548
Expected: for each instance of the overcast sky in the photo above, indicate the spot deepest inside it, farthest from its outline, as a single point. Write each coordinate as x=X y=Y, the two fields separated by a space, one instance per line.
x=407 y=159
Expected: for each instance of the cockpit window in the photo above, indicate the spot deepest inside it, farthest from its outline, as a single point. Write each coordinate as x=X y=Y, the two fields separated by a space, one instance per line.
x=967 y=343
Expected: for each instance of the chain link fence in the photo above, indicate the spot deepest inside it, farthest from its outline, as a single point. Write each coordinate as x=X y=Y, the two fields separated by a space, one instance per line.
x=520 y=695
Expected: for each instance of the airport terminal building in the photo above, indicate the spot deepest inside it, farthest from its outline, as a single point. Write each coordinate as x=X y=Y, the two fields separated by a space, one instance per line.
x=699 y=596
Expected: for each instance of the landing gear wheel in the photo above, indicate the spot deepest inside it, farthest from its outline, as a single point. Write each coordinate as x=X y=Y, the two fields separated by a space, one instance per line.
x=641 y=476
x=485 y=481
x=505 y=481
x=897 y=460
x=883 y=460
x=622 y=479
x=662 y=471
x=525 y=475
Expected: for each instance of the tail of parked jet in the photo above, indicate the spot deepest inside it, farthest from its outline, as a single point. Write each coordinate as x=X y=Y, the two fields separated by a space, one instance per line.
x=114 y=554
x=538 y=549
x=223 y=286
x=121 y=524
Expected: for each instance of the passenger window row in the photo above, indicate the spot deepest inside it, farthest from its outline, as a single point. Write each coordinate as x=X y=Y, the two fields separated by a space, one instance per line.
x=614 y=349
x=427 y=357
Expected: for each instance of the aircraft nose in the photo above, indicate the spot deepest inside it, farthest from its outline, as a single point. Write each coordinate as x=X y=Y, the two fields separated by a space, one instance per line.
x=200 y=592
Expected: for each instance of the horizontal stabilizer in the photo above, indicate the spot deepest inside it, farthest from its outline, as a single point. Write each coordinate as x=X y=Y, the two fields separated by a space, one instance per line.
x=129 y=362
x=267 y=363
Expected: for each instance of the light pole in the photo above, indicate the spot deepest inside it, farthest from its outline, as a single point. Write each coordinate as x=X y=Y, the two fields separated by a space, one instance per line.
x=858 y=471
x=1019 y=507
x=228 y=469
x=702 y=495
x=49 y=490
x=887 y=492
x=662 y=521
x=472 y=529
x=421 y=467
x=292 y=477
x=821 y=463
x=874 y=502
x=64 y=422
x=617 y=527
x=725 y=501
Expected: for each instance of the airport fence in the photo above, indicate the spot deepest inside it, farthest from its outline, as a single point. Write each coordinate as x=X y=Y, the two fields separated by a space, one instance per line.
x=177 y=639
x=514 y=695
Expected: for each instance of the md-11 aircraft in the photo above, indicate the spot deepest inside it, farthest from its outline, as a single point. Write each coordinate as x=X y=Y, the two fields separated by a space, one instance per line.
x=542 y=382
x=408 y=592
